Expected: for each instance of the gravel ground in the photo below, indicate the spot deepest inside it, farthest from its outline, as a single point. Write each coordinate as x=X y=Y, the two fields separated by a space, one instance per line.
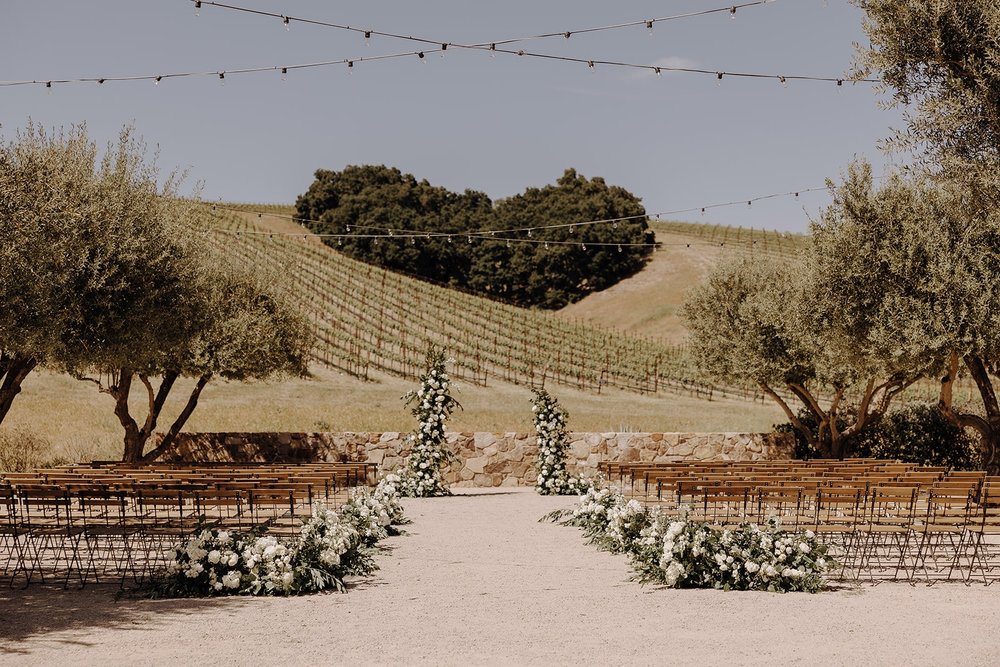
x=477 y=580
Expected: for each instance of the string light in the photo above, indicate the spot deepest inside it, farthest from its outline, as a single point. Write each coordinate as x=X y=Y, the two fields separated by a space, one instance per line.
x=156 y=81
x=284 y=73
x=284 y=19
x=197 y=8
x=649 y=27
x=491 y=46
x=491 y=234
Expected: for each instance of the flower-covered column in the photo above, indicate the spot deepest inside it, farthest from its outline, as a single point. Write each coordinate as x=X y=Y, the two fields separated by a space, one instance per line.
x=432 y=405
x=550 y=426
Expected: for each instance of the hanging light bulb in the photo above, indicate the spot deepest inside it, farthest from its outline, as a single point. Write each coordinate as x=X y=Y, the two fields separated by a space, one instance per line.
x=840 y=84
x=350 y=66
x=413 y=240
x=718 y=77
x=784 y=81
x=444 y=47
x=348 y=229
x=48 y=87
x=493 y=50
x=732 y=13
x=590 y=66
x=614 y=225
x=649 y=26
x=421 y=56
x=222 y=78
x=197 y=8
x=619 y=248
x=703 y=210
x=749 y=202
x=284 y=73
x=368 y=37
x=583 y=246
x=508 y=243
x=449 y=238
x=567 y=34
x=470 y=239
x=284 y=19
x=156 y=81
x=340 y=241
x=100 y=81
x=546 y=245
x=659 y=74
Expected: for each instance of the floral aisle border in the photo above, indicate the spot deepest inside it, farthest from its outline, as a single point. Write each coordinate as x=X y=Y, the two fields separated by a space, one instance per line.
x=329 y=546
x=680 y=552
x=432 y=406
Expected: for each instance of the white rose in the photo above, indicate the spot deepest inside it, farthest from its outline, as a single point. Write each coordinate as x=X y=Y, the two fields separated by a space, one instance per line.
x=214 y=556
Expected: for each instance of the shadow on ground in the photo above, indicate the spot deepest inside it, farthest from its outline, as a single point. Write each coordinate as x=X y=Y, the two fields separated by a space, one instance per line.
x=29 y=616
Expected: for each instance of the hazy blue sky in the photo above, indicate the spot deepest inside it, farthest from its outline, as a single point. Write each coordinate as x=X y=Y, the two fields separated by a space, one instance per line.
x=465 y=120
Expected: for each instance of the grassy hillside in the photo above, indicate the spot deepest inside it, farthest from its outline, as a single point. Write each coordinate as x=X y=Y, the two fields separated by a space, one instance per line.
x=649 y=302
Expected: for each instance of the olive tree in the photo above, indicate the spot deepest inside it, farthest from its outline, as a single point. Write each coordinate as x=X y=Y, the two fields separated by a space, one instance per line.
x=941 y=62
x=89 y=264
x=244 y=329
x=921 y=259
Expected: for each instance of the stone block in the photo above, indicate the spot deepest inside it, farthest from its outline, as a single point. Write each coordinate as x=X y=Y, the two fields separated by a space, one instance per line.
x=482 y=480
x=477 y=464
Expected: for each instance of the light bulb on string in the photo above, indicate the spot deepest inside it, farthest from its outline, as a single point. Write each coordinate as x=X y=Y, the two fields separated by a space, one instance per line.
x=413 y=240
x=284 y=73
x=421 y=56
x=567 y=34
x=508 y=243
x=493 y=50
x=583 y=246
x=614 y=225
x=348 y=229
x=718 y=78
x=222 y=78
x=732 y=13
x=284 y=20
x=649 y=27
x=590 y=66
x=659 y=74
x=197 y=8
x=444 y=47
x=784 y=81
x=350 y=66
x=619 y=248
x=529 y=232
x=470 y=239
x=156 y=81
x=368 y=37
x=48 y=87
x=546 y=245
x=840 y=84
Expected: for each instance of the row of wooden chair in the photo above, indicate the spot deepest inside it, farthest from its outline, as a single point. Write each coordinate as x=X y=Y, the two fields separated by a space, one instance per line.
x=93 y=523
x=881 y=519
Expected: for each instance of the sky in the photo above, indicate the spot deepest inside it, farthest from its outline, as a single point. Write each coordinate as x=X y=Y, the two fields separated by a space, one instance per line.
x=464 y=120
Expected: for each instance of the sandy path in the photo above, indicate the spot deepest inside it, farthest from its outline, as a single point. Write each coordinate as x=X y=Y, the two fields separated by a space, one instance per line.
x=478 y=580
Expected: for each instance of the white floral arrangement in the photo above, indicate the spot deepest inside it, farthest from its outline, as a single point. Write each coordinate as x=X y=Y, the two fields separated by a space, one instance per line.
x=432 y=406
x=550 y=420
x=677 y=551
x=329 y=546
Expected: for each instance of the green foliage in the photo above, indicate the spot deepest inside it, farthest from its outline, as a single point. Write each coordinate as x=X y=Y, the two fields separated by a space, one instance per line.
x=920 y=433
x=364 y=200
x=941 y=60
x=914 y=433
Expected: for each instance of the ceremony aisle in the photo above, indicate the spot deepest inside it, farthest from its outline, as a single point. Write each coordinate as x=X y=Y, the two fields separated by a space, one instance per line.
x=478 y=580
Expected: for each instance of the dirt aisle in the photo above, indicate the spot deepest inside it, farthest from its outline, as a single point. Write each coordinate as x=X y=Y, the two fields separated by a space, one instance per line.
x=479 y=581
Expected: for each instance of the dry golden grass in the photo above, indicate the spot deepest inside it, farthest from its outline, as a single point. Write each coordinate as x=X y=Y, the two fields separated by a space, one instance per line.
x=79 y=423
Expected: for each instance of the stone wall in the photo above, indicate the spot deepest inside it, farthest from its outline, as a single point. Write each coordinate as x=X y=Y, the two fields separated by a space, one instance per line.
x=484 y=459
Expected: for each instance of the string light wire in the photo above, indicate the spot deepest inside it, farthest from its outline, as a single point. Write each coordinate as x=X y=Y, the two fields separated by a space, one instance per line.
x=492 y=47
x=492 y=234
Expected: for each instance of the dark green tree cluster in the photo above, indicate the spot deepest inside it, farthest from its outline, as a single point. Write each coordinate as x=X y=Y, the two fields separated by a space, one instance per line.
x=549 y=269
